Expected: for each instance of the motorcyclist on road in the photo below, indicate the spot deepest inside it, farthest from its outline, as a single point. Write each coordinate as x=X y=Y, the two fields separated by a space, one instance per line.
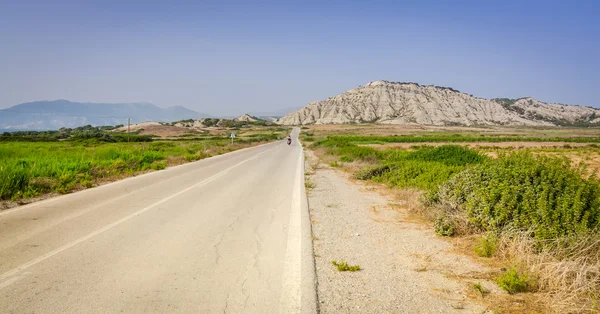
x=289 y=139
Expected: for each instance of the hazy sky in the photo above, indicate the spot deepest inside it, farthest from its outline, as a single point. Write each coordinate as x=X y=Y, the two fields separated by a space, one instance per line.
x=229 y=57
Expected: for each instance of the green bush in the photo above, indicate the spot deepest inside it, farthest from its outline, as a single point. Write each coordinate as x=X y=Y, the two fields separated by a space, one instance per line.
x=525 y=192
x=452 y=155
x=513 y=282
x=424 y=175
x=425 y=168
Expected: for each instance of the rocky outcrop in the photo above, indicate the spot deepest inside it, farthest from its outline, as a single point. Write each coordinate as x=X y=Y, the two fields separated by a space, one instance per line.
x=246 y=118
x=411 y=103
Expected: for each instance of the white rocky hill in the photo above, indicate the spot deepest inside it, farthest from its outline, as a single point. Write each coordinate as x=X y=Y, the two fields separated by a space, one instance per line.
x=411 y=103
x=246 y=118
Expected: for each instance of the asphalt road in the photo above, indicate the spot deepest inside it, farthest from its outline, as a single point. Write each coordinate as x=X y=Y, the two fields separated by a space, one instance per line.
x=228 y=234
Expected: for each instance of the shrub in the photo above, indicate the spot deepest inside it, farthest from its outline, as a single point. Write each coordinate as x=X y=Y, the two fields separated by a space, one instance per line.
x=452 y=155
x=513 y=282
x=415 y=173
x=523 y=192
x=425 y=168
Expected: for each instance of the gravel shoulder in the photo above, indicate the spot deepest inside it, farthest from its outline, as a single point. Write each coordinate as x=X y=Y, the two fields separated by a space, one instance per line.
x=405 y=267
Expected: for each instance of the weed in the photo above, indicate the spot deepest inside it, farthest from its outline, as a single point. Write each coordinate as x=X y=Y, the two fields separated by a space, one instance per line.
x=513 y=282
x=346 y=158
x=479 y=288
x=335 y=164
x=343 y=266
x=309 y=184
x=487 y=245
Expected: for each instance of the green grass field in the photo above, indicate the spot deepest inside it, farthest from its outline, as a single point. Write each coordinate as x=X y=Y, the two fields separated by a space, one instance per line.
x=29 y=169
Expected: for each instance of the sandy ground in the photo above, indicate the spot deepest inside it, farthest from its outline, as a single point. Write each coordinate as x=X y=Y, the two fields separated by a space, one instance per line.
x=405 y=267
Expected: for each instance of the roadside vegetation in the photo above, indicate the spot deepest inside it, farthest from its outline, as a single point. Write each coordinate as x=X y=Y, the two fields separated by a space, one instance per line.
x=84 y=133
x=535 y=212
x=458 y=138
x=343 y=266
x=37 y=163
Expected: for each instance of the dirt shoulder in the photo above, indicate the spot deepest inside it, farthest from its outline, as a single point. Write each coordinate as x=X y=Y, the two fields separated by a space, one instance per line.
x=405 y=266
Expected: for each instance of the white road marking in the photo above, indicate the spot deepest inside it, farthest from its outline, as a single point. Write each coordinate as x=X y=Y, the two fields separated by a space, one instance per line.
x=291 y=293
x=7 y=275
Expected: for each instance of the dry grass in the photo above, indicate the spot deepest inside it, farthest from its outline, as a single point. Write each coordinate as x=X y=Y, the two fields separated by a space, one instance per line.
x=478 y=145
x=387 y=129
x=567 y=275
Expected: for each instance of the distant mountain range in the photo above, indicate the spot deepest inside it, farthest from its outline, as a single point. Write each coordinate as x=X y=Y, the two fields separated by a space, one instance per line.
x=52 y=115
x=410 y=103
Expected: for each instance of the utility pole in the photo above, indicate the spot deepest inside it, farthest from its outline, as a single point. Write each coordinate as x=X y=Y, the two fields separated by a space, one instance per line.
x=128 y=125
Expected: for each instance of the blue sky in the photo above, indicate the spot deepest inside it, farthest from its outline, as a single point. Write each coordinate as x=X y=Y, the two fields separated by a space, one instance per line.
x=230 y=57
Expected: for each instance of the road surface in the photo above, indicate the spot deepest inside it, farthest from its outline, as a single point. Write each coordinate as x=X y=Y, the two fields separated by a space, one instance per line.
x=228 y=234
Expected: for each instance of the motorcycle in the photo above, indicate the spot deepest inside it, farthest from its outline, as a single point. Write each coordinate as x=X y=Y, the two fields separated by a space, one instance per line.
x=289 y=141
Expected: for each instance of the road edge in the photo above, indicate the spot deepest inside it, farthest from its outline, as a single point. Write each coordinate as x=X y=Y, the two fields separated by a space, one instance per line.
x=309 y=301
x=310 y=297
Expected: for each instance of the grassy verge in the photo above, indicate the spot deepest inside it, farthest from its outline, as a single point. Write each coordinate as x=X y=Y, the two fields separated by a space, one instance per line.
x=30 y=168
x=538 y=215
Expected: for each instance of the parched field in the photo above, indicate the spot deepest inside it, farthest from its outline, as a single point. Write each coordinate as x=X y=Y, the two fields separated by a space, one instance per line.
x=384 y=130
x=30 y=169
x=524 y=200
